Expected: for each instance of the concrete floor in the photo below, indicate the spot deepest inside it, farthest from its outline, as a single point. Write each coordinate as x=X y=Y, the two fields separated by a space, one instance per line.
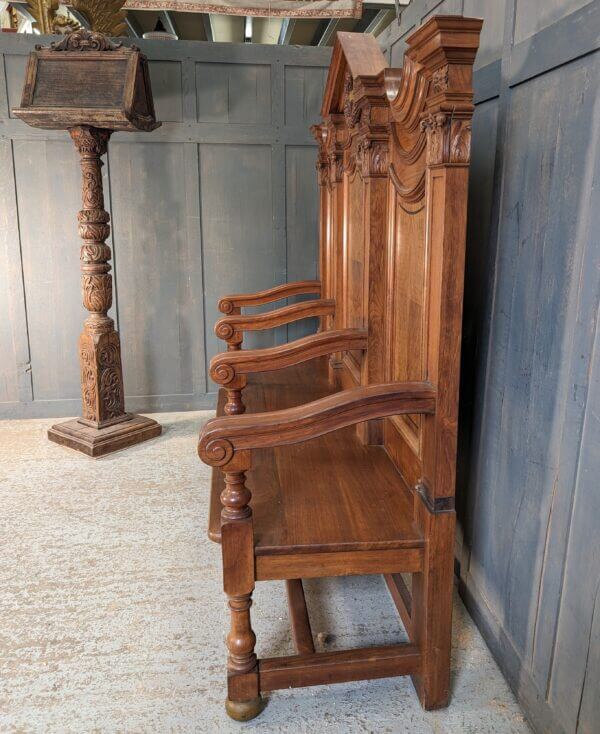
x=112 y=616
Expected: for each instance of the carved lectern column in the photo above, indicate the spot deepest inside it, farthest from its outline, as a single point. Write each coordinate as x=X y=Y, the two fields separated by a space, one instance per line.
x=99 y=347
x=105 y=426
x=92 y=87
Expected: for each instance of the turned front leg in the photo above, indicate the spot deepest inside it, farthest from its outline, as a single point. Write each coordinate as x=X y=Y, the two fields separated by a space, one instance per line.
x=237 y=544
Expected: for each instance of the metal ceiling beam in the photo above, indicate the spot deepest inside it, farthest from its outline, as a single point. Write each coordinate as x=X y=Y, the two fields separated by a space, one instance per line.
x=287 y=29
x=367 y=18
x=169 y=22
x=248 y=29
x=133 y=27
x=208 y=27
x=380 y=18
x=328 y=32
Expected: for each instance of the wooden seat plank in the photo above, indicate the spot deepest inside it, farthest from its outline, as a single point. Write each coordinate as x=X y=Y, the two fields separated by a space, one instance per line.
x=345 y=497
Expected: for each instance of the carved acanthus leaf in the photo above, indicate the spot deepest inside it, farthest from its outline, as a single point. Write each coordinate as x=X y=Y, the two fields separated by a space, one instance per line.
x=373 y=157
x=448 y=138
x=352 y=112
x=439 y=81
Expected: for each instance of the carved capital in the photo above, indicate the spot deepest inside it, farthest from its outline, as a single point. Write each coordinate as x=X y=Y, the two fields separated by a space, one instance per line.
x=90 y=140
x=336 y=167
x=322 y=171
x=448 y=138
x=373 y=157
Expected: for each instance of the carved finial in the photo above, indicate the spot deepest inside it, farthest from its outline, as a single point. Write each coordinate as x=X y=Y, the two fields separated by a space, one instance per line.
x=84 y=40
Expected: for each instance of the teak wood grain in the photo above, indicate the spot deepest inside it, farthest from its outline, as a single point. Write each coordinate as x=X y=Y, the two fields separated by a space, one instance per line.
x=314 y=511
x=345 y=460
x=232 y=304
x=231 y=328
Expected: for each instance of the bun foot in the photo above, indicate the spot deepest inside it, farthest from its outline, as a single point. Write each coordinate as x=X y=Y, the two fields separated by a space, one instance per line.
x=244 y=710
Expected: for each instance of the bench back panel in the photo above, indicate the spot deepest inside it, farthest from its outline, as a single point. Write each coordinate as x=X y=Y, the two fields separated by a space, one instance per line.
x=393 y=242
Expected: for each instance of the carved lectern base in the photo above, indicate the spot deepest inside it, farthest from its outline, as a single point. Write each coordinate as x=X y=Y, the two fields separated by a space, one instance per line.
x=100 y=441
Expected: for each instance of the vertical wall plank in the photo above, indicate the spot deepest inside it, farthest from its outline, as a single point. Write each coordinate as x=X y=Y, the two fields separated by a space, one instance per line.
x=158 y=259
x=237 y=232
x=234 y=93
x=302 y=198
x=15 y=368
x=167 y=92
x=50 y=250
x=303 y=94
x=529 y=431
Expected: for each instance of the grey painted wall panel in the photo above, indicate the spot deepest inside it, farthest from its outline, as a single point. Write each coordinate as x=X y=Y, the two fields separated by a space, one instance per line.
x=303 y=94
x=529 y=438
x=202 y=200
x=533 y=16
x=490 y=46
x=10 y=276
x=234 y=93
x=302 y=208
x=237 y=232
x=50 y=252
x=167 y=90
x=159 y=311
x=15 y=72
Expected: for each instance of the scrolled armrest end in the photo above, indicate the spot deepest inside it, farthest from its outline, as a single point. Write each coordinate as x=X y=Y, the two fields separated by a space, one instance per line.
x=214 y=451
x=226 y=306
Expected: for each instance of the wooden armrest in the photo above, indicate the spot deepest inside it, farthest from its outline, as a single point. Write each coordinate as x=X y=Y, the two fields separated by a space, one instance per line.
x=221 y=438
x=225 y=367
x=232 y=304
x=231 y=328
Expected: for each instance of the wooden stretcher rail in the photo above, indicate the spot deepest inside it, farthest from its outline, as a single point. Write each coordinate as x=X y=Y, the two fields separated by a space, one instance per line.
x=301 y=631
x=340 y=666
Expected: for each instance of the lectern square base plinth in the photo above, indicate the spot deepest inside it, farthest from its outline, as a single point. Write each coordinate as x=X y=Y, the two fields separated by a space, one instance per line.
x=101 y=441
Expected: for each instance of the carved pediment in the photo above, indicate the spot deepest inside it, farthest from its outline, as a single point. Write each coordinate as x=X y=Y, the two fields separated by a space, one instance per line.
x=355 y=56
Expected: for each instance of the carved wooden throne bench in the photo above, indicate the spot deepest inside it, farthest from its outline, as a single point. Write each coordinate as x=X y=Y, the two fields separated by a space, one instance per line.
x=344 y=461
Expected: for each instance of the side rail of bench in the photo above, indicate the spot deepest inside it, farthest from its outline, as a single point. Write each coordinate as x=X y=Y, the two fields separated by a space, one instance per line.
x=231 y=328
x=229 y=369
x=232 y=305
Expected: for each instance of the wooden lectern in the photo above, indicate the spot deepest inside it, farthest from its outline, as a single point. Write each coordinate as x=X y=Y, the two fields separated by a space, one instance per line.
x=92 y=87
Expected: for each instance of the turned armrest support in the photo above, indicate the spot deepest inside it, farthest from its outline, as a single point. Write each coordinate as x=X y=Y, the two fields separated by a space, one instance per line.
x=226 y=367
x=221 y=438
x=232 y=304
x=231 y=328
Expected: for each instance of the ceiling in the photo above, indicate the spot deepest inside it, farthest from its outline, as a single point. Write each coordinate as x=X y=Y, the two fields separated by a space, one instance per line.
x=240 y=29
